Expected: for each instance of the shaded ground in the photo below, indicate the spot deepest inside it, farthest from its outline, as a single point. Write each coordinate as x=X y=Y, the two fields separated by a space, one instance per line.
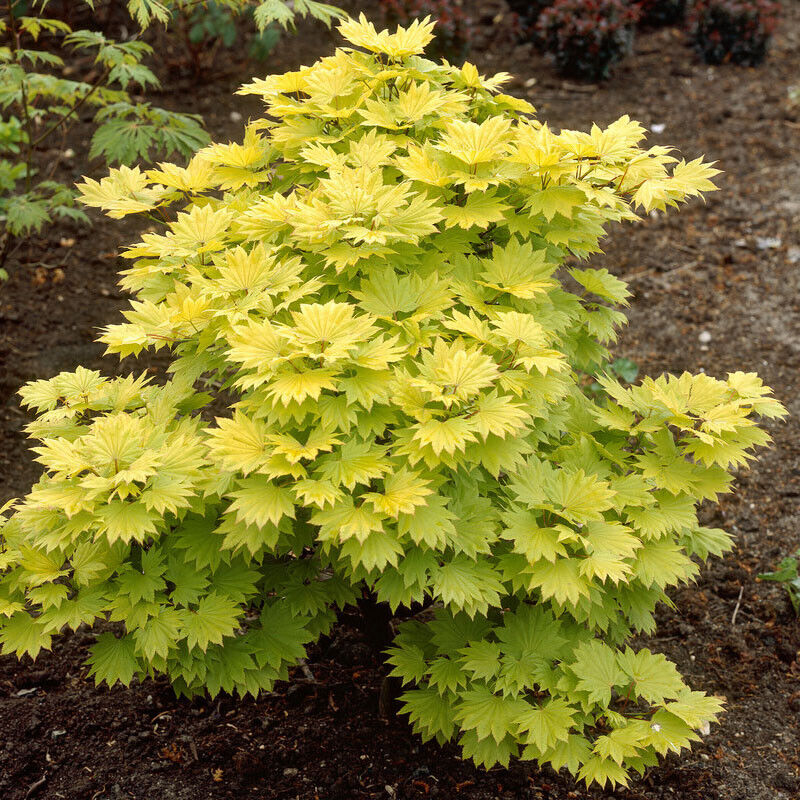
x=729 y=270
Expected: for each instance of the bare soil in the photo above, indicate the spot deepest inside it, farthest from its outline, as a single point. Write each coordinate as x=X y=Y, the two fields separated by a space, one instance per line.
x=716 y=289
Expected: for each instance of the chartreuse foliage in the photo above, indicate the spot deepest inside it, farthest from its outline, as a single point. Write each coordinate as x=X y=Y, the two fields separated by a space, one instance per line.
x=376 y=277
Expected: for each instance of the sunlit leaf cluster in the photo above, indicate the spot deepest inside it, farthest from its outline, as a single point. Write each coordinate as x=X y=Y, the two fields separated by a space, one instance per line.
x=379 y=287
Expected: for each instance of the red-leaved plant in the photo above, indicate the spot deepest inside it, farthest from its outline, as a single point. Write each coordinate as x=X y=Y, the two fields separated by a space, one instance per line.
x=587 y=37
x=733 y=31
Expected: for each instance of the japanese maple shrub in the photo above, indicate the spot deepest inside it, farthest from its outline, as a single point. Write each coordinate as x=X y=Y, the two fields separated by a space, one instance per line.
x=376 y=276
x=587 y=37
x=736 y=31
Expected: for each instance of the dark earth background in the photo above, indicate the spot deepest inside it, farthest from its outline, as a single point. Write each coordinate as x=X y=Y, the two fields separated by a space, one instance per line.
x=716 y=289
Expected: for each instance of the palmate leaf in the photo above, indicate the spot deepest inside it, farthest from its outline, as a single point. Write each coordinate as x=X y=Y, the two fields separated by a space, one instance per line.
x=83 y=609
x=488 y=714
x=159 y=635
x=487 y=752
x=561 y=580
x=446 y=675
x=602 y=771
x=597 y=671
x=531 y=540
x=602 y=283
x=215 y=617
x=377 y=551
x=556 y=200
x=22 y=634
x=653 y=677
x=546 y=725
x=481 y=659
x=25 y=213
x=570 y=753
x=466 y=584
x=663 y=563
x=280 y=638
x=269 y=11
x=532 y=630
x=480 y=208
x=259 y=501
x=409 y=663
x=127 y=133
x=147 y=11
x=113 y=659
x=430 y=714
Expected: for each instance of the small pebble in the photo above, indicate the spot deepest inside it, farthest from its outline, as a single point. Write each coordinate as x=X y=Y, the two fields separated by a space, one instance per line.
x=235 y=116
x=290 y=772
x=768 y=242
x=704 y=337
x=56 y=734
x=658 y=127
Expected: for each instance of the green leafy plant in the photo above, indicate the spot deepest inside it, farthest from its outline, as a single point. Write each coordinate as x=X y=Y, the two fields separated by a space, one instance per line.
x=41 y=106
x=265 y=12
x=375 y=277
x=208 y=29
x=788 y=575
x=733 y=31
x=213 y=24
x=587 y=37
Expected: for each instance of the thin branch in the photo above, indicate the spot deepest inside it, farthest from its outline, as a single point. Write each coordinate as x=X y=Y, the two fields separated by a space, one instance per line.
x=15 y=46
x=56 y=125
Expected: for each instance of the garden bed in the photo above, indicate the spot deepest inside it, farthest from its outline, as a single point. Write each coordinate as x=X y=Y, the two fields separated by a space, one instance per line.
x=717 y=288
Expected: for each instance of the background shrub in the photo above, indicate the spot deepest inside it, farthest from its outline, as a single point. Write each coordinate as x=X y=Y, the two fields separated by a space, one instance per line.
x=528 y=12
x=587 y=37
x=735 y=31
x=661 y=12
x=207 y=29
